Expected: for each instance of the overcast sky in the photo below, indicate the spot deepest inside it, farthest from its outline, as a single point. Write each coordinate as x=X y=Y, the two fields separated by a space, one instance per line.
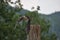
x=46 y=6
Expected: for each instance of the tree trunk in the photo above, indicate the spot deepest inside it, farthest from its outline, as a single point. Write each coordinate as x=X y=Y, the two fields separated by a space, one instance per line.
x=34 y=33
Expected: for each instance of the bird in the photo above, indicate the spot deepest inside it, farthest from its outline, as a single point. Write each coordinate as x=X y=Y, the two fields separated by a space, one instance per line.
x=28 y=22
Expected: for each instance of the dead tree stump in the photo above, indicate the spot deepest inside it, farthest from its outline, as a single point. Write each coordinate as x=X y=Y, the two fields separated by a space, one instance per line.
x=34 y=33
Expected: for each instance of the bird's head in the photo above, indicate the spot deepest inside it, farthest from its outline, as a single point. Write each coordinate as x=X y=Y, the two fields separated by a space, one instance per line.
x=24 y=18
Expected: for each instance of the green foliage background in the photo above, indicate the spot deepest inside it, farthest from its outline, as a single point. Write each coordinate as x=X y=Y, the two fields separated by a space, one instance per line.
x=10 y=29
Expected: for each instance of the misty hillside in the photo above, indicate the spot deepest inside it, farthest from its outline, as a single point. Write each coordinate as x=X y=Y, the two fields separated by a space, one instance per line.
x=55 y=22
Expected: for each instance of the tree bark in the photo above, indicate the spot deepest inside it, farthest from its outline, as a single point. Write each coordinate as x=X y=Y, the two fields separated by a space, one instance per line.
x=34 y=33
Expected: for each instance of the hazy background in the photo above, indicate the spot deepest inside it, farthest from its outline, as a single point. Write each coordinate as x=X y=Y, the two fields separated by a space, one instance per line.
x=46 y=6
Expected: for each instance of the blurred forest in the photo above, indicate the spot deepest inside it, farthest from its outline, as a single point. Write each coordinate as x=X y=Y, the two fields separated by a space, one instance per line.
x=10 y=29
